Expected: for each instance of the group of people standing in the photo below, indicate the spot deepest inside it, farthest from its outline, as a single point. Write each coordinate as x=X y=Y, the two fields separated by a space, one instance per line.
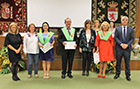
x=99 y=39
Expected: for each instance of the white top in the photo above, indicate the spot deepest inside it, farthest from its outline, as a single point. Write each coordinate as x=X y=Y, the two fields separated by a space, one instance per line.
x=112 y=31
x=30 y=43
x=88 y=38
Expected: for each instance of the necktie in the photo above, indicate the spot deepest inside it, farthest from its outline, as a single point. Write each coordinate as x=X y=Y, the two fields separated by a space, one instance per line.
x=69 y=31
x=124 y=34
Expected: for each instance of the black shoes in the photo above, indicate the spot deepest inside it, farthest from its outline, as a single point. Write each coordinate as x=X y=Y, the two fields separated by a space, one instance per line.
x=63 y=76
x=83 y=74
x=116 y=76
x=128 y=78
x=14 y=78
x=87 y=74
x=69 y=75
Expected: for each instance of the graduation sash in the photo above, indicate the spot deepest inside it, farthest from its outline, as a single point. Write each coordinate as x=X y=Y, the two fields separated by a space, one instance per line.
x=104 y=37
x=68 y=36
x=47 y=39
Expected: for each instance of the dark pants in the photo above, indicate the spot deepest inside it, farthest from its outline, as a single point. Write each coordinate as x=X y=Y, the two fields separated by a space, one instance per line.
x=126 y=54
x=67 y=55
x=86 y=56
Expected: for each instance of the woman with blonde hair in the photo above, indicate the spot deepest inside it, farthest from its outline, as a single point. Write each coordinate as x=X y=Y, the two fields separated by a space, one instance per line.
x=31 y=50
x=96 y=26
x=104 y=43
x=14 y=43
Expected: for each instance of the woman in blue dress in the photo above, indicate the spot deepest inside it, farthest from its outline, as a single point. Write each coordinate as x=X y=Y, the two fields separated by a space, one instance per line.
x=44 y=37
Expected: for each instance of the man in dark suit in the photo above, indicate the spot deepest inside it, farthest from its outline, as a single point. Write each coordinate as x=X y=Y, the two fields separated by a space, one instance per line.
x=124 y=37
x=67 y=34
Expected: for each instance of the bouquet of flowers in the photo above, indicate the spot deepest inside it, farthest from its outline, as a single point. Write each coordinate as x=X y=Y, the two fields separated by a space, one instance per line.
x=5 y=63
x=111 y=67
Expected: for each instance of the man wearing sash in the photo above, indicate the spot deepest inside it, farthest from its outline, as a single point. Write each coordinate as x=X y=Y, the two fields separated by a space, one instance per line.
x=124 y=37
x=67 y=34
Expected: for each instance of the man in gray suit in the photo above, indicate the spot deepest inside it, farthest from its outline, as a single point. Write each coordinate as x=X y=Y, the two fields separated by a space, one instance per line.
x=124 y=37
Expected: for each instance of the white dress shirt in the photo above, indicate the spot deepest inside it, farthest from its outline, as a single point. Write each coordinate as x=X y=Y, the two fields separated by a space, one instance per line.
x=30 y=43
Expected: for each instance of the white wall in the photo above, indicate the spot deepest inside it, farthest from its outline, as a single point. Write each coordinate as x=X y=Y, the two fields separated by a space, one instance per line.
x=55 y=11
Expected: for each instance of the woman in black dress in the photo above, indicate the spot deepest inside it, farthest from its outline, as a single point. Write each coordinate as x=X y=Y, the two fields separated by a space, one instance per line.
x=14 y=43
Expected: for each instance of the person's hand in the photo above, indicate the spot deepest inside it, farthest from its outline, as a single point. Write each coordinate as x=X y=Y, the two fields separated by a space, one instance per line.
x=80 y=50
x=17 y=51
x=97 y=50
x=75 y=45
x=25 y=54
x=51 y=45
x=124 y=46
x=64 y=43
x=93 y=51
x=41 y=45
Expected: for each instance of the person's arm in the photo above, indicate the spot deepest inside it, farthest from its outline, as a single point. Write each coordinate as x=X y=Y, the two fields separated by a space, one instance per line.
x=93 y=39
x=132 y=38
x=60 y=38
x=76 y=39
x=97 y=42
x=116 y=37
x=11 y=47
x=19 y=49
x=53 y=39
x=7 y=43
x=112 y=40
x=21 y=44
x=80 y=42
x=25 y=45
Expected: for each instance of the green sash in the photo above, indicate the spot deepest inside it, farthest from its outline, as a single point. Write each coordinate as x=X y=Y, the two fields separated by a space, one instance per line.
x=48 y=37
x=72 y=33
x=104 y=37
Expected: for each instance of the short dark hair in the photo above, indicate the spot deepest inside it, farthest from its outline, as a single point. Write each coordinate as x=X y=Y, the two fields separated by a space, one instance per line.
x=48 y=26
x=66 y=19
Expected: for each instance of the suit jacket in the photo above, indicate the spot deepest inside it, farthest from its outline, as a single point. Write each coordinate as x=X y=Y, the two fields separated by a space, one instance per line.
x=83 y=41
x=119 y=39
x=61 y=38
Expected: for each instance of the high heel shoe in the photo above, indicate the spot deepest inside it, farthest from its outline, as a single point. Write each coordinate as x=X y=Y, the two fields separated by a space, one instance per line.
x=48 y=76
x=103 y=77
x=45 y=76
x=99 y=76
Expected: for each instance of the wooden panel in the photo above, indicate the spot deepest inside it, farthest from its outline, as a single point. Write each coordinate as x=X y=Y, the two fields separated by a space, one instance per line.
x=137 y=33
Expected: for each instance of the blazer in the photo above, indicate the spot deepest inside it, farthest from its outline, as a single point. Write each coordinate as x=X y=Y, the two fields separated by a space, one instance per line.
x=119 y=39
x=83 y=41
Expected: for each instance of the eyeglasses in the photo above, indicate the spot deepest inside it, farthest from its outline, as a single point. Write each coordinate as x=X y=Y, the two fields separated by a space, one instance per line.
x=68 y=21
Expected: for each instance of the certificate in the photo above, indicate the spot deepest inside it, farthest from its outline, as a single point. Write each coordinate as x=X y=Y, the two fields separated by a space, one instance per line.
x=96 y=57
x=46 y=47
x=70 y=45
